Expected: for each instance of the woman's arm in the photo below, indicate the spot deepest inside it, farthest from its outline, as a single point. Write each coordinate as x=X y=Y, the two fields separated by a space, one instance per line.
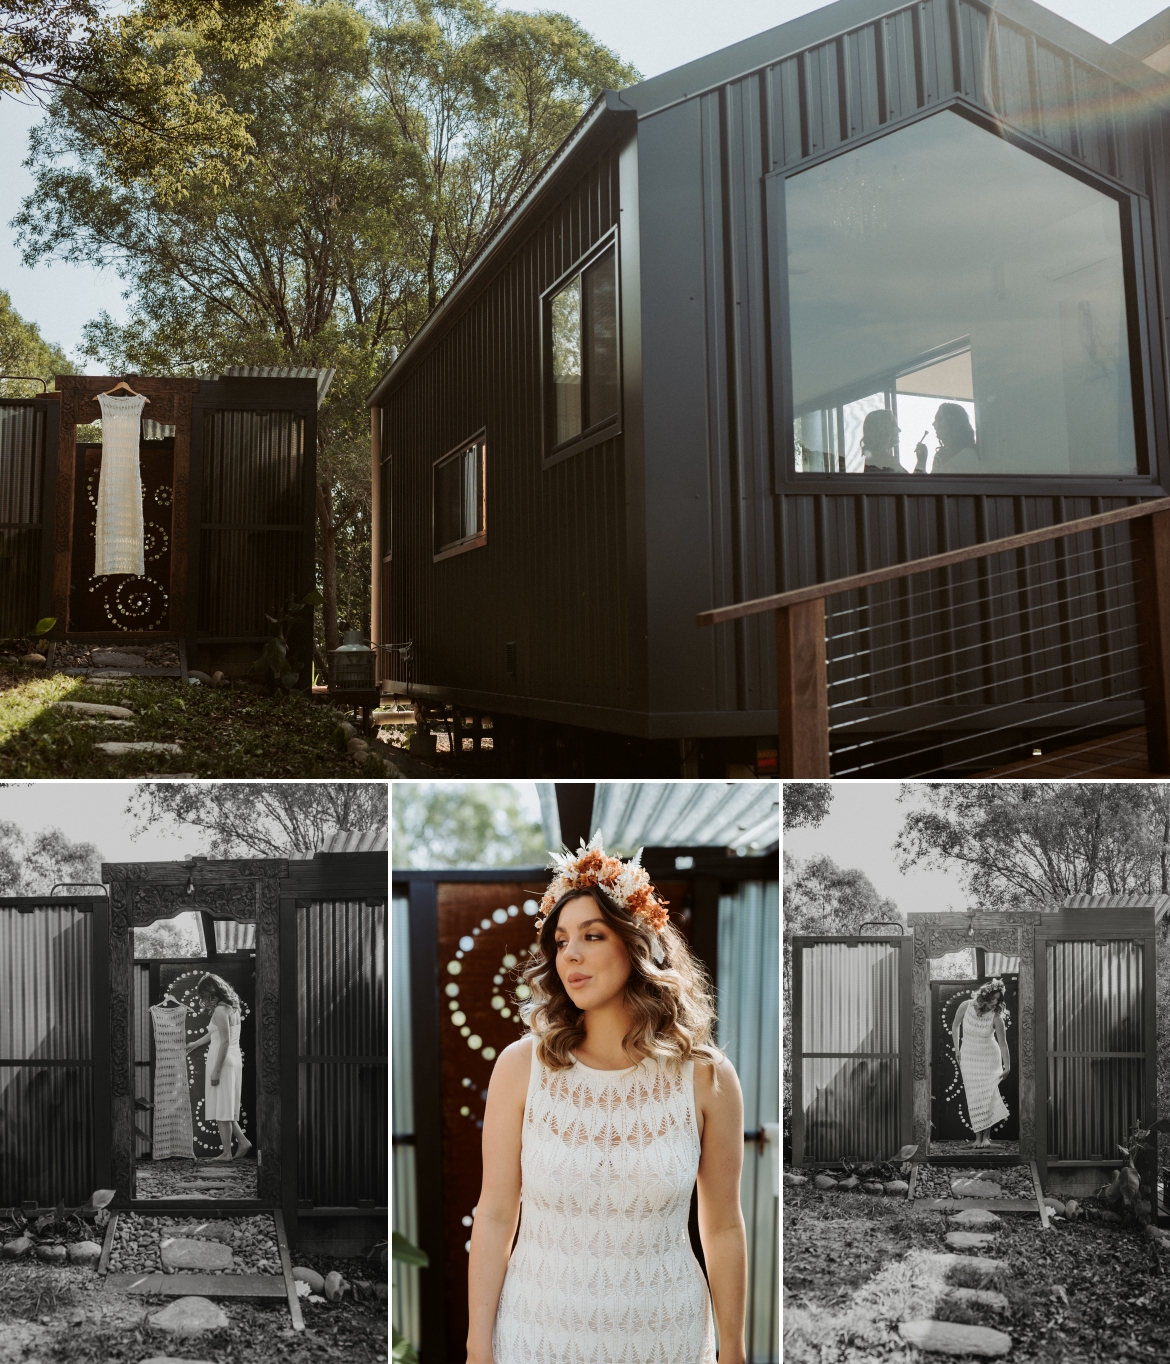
x=956 y=1026
x=721 y=1228
x=1001 y=1038
x=498 y=1209
x=221 y=1023
x=199 y=1042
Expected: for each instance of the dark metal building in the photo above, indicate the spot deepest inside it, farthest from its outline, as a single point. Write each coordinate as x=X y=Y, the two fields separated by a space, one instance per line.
x=628 y=411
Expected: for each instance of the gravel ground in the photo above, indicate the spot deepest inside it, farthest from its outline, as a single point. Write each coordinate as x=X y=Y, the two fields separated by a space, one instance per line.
x=165 y=1178
x=137 y=1239
x=934 y=1181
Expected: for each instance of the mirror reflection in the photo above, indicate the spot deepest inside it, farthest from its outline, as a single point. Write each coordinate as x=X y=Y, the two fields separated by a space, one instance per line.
x=195 y=1043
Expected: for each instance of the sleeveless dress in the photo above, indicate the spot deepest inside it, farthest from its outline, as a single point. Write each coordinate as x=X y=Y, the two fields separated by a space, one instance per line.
x=118 y=528
x=982 y=1067
x=172 y=1096
x=222 y=1101
x=603 y=1271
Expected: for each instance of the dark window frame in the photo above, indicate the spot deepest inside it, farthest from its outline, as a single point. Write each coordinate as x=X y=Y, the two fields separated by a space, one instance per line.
x=611 y=426
x=1139 y=263
x=468 y=542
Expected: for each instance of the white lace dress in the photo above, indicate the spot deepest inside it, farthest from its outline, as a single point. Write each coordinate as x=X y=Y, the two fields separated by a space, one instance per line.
x=172 y=1093
x=982 y=1067
x=603 y=1271
x=118 y=527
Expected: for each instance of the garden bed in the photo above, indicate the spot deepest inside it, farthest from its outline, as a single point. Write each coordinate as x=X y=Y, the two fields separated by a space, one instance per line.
x=1012 y=1181
x=138 y=1242
x=174 y=1178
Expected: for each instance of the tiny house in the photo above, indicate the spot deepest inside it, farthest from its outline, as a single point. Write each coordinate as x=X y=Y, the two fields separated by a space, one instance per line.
x=881 y=282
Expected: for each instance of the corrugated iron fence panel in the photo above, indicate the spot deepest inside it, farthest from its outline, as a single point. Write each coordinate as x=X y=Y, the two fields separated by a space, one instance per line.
x=1096 y=1047
x=404 y=1202
x=46 y=1084
x=22 y=475
x=342 y=1052
x=850 y=1043
x=143 y=1068
x=252 y=533
x=749 y=1032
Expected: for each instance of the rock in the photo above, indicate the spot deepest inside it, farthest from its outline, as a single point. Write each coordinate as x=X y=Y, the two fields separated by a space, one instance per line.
x=92 y=708
x=975 y=1217
x=794 y=1181
x=32 y=658
x=86 y=1253
x=53 y=1255
x=198 y=675
x=1054 y=1205
x=381 y=1292
x=979 y=1297
x=218 y=679
x=117 y=750
x=105 y=679
x=335 y=1286
x=825 y=1182
x=970 y=1240
x=950 y=1338
x=1071 y=1208
x=851 y=1183
x=357 y=745
x=310 y=1276
x=348 y=730
x=873 y=1187
x=114 y=658
x=16 y=1250
x=975 y=1188
x=1153 y=1233
x=1107 y=1216
x=897 y=1186
x=186 y=1253
x=189 y=1316
x=170 y=1359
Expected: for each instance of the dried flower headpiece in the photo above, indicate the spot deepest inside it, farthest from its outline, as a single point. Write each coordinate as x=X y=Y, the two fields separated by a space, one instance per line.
x=988 y=988
x=626 y=883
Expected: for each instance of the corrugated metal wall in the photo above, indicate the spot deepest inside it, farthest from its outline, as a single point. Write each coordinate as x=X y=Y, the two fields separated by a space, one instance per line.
x=1096 y=1047
x=22 y=476
x=552 y=576
x=252 y=536
x=850 y=1040
x=405 y=1311
x=749 y=1031
x=46 y=1079
x=341 y=1020
x=143 y=1070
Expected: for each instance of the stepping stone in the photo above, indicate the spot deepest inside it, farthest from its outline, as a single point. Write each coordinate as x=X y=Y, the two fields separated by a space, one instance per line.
x=170 y=1359
x=970 y=1240
x=1001 y=1205
x=180 y=1252
x=979 y=1297
x=84 y=1253
x=106 y=679
x=950 y=1338
x=189 y=1317
x=975 y=1188
x=108 y=724
x=114 y=658
x=975 y=1217
x=92 y=708
x=208 y=1231
x=943 y=1262
x=116 y=750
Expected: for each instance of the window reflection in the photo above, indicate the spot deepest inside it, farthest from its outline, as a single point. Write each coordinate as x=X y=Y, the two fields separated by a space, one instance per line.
x=957 y=306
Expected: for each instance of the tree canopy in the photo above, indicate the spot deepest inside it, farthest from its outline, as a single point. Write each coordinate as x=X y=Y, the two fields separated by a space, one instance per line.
x=33 y=866
x=23 y=350
x=806 y=803
x=456 y=824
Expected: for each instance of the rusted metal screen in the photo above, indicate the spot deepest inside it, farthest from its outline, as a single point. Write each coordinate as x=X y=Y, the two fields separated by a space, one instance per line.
x=342 y=1051
x=253 y=531
x=46 y=1080
x=1096 y=1047
x=852 y=1075
x=22 y=477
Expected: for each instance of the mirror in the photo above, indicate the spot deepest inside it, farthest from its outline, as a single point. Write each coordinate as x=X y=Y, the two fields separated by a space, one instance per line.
x=193 y=976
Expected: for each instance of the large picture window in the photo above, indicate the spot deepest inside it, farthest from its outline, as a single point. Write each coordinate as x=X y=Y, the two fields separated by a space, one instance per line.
x=956 y=306
x=460 y=521
x=582 y=353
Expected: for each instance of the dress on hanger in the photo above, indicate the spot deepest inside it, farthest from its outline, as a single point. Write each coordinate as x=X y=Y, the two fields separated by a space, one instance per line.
x=172 y=1095
x=118 y=528
x=603 y=1268
x=982 y=1067
x=222 y=1101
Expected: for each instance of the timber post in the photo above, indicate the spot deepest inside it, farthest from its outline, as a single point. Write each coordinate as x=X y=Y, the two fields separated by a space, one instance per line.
x=1151 y=539
x=802 y=690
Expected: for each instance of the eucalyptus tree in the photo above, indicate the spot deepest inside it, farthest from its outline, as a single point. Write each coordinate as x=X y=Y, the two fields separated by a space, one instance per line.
x=23 y=350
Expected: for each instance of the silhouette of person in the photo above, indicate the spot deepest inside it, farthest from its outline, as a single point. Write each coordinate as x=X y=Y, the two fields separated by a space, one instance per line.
x=957 y=452
x=879 y=443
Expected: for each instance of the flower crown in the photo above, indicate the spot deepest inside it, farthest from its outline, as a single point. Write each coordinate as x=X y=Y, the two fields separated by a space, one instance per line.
x=626 y=883
x=989 y=987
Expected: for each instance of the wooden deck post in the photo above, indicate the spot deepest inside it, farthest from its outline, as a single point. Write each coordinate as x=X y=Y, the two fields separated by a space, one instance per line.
x=801 y=689
x=1151 y=537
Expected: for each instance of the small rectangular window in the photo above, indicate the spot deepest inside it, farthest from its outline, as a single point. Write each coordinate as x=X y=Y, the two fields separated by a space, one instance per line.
x=583 y=352
x=459 y=499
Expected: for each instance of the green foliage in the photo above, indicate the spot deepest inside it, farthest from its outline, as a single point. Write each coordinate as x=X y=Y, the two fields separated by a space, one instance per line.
x=32 y=866
x=806 y=803
x=407 y=1253
x=456 y=824
x=61 y=1224
x=177 y=937
x=1127 y=1187
x=281 y=659
x=24 y=351
x=44 y=625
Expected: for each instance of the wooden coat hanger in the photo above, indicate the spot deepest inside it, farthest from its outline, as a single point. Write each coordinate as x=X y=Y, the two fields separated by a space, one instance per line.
x=173 y=1000
x=123 y=384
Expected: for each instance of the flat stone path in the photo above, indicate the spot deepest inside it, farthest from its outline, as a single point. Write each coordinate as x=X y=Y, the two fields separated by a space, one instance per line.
x=951 y=1338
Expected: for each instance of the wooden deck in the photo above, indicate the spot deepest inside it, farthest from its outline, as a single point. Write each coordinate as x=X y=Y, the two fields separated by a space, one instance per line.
x=1120 y=756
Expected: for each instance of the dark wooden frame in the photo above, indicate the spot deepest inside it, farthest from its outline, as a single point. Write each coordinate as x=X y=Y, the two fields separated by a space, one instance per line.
x=50 y=405
x=907 y=1024
x=479 y=539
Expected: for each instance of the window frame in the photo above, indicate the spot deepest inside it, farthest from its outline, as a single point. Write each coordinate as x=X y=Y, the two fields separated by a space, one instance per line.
x=1139 y=265
x=554 y=452
x=468 y=542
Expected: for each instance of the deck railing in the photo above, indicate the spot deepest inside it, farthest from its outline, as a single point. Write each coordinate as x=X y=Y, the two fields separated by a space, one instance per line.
x=953 y=661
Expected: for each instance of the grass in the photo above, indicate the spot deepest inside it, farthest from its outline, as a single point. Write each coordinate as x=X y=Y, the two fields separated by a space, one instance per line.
x=224 y=732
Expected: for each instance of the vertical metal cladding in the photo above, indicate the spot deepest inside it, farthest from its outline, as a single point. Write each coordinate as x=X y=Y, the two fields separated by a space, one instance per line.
x=22 y=472
x=850 y=1050
x=1096 y=1047
x=342 y=1050
x=143 y=1067
x=405 y=1278
x=46 y=1099
x=252 y=533
x=552 y=576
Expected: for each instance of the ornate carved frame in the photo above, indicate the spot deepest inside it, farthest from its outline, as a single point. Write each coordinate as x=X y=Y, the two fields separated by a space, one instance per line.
x=244 y=890
x=1013 y=934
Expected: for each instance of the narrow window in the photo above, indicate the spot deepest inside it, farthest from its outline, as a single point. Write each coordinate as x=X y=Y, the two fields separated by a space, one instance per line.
x=583 y=339
x=459 y=499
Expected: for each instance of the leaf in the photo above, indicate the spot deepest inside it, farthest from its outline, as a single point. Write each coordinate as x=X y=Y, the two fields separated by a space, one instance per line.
x=43 y=626
x=289 y=679
x=1162 y=1125
x=402 y=1351
x=407 y=1253
x=314 y=599
x=906 y=1153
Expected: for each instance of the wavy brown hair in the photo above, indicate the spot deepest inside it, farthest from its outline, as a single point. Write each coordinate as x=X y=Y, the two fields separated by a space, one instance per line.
x=216 y=988
x=672 y=1004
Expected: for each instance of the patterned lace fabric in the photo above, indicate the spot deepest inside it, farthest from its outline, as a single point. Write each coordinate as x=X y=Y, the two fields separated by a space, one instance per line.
x=603 y=1271
x=172 y=1095
x=982 y=1068
x=118 y=528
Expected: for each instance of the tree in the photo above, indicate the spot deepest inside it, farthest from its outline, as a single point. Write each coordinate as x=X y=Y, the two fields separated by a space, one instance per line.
x=23 y=350
x=806 y=803
x=453 y=824
x=34 y=867
x=262 y=819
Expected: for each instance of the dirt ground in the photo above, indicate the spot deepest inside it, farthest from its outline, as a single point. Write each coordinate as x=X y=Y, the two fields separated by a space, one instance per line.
x=1079 y=1293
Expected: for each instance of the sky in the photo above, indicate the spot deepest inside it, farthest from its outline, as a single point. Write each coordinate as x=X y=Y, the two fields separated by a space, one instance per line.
x=652 y=35
x=859 y=832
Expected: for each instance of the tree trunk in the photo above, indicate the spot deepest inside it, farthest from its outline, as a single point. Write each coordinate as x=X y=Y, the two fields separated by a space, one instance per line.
x=432 y=256
x=328 y=565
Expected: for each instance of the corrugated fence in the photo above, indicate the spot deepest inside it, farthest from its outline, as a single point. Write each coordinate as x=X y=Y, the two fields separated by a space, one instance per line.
x=22 y=475
x=405 y=1315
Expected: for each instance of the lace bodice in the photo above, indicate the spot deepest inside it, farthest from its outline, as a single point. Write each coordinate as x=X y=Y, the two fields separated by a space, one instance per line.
x=603 y=1271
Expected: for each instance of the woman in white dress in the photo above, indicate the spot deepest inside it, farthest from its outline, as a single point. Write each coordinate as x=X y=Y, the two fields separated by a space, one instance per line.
x=225 y=1064
x=598 y=1125
x=983 y=1055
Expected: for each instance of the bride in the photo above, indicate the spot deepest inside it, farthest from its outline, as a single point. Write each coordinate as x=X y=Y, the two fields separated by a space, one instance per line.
x=983 y=1055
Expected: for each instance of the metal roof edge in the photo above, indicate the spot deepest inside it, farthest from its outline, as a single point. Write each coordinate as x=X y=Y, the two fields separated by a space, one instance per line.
x=1147 y=38
x=607 y=107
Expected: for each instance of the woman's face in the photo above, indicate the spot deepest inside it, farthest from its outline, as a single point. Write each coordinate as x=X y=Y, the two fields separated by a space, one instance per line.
x=592 y=960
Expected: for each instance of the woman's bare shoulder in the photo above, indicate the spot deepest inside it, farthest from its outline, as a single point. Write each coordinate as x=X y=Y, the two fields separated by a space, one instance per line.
x=510 y=1073
x=706 y=1071
x=962 y=1009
